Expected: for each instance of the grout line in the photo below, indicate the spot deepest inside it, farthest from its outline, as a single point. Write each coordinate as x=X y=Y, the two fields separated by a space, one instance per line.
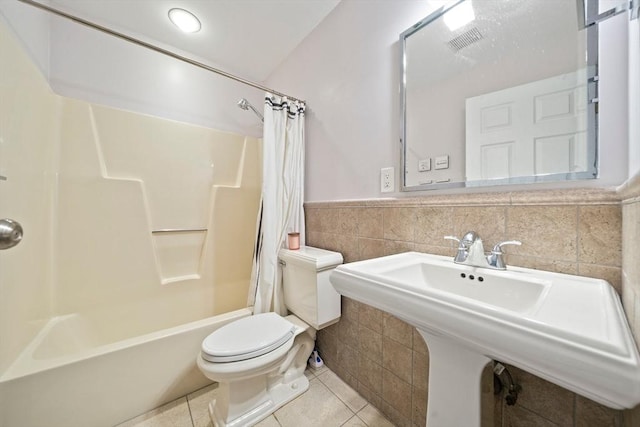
x=413 y=388
x=276 y=418
x=578 y=208
x=334 y=393
x=193 y=423
x=354 y=416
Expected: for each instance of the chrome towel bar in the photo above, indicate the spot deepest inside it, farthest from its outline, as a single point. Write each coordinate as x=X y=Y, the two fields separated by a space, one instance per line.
x=177 y=230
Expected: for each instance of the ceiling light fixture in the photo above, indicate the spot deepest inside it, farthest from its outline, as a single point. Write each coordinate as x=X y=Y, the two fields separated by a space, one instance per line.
x=184 y=20
x=459 y=16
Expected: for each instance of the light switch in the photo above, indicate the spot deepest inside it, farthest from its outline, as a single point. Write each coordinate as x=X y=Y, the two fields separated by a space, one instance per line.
x=442 y=162
x=424 y=165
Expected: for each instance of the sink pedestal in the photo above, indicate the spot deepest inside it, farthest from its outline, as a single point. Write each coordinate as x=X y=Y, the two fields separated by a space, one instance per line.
x=454 y=383
x=469 y=315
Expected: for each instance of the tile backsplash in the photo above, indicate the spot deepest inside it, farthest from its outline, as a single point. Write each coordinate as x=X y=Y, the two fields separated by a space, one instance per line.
x=568 y=231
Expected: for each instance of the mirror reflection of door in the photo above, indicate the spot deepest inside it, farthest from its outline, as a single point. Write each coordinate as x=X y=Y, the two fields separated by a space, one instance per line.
x=534 y=129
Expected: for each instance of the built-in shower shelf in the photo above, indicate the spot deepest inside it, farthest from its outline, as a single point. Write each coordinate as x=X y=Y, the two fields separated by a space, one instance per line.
x=179 y=253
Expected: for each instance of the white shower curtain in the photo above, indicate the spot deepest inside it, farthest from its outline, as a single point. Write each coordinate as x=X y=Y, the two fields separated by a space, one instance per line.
x=282 y=199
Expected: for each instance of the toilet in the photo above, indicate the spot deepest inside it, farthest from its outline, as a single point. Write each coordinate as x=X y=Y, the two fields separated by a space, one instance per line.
x=259 y=361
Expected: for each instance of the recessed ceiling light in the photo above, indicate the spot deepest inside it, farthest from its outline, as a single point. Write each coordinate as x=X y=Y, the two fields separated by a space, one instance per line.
x=459 y=16
x=184 y=20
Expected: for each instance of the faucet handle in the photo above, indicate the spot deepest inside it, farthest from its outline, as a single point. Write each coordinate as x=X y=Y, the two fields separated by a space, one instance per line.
x=495 y=259
x=462 y=253
x=467 y=240
x=497 y=249
x=452 y=238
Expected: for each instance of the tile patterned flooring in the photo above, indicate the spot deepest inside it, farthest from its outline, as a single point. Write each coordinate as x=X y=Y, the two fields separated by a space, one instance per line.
x=329 y=402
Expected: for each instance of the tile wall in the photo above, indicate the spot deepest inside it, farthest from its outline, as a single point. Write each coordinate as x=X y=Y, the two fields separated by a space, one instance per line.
x=630 y=195
x=569 y=231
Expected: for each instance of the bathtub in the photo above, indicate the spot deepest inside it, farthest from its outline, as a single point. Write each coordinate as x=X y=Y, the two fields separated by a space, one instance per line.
x=69 y=375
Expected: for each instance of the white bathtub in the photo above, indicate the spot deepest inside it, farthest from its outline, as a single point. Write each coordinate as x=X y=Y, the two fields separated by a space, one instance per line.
x=69 y=377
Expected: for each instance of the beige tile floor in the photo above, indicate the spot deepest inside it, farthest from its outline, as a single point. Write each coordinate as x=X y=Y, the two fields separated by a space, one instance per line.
x=329 y=402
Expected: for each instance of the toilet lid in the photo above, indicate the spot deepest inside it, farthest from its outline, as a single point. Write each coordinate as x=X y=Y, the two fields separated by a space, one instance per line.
x=247 y=338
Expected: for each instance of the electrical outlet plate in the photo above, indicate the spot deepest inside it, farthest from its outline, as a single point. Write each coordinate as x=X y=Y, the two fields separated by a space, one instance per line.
x=424 y=165
x=442 y=162
x=387 y=183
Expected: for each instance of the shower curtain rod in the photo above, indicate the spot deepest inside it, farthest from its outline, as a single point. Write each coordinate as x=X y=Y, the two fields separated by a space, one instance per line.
x=154 y=48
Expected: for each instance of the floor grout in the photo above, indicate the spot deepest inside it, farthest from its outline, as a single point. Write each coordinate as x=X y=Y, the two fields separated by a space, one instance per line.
x=157 y=421
x=193 y=423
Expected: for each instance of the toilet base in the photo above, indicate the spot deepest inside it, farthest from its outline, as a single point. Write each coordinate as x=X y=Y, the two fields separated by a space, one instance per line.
x=276 y=396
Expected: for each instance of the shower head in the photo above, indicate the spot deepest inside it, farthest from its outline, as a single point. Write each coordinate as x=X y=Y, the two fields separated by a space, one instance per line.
x=245 y=105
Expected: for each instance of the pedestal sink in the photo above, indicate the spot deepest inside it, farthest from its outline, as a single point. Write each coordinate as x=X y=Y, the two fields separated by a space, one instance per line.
x=569 y=330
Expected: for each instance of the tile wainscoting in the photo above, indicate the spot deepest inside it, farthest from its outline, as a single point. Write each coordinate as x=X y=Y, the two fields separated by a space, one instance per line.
x=577 y=231
x=630 y=196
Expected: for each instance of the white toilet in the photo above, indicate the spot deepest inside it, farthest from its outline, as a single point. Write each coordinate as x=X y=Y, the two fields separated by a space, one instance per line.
x=259 y=361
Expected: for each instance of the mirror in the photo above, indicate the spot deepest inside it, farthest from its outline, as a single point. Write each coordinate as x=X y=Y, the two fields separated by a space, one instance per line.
x=499 y=92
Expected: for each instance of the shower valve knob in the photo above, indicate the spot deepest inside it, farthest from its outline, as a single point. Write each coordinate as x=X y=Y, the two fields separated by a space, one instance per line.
x=10 y=233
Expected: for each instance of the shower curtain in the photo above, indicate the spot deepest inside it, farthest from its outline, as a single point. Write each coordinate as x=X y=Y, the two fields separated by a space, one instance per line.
x=282 y=201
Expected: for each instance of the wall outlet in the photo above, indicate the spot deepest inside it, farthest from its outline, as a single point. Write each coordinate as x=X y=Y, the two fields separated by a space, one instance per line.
x=387 y=183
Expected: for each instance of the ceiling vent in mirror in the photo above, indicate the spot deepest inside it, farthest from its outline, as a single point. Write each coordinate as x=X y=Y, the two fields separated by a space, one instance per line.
x=465 y=39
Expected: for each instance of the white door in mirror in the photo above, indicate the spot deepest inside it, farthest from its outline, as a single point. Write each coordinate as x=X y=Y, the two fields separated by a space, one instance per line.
x=538 y=128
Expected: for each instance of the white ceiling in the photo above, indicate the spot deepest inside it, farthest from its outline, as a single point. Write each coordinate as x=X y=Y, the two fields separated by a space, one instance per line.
x=249 y=38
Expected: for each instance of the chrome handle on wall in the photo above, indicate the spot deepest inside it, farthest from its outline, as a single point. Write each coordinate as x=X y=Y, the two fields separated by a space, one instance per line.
x=177 y=230
x=10 y=233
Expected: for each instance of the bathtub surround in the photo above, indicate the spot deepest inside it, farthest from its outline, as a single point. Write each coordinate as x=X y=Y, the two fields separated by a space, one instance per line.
x=134 y=225
x=577 y=231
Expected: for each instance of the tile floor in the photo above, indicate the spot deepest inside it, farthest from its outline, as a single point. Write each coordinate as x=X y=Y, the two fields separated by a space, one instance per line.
x=329 y=402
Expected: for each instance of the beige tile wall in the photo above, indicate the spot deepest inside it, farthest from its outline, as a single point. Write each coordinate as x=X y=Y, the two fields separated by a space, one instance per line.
x=630 y=195
x=571 y=231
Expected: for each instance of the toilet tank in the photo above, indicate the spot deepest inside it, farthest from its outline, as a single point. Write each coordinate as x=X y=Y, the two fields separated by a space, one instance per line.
x=307 y=291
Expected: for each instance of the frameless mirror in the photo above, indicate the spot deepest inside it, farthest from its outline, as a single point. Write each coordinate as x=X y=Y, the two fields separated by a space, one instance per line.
x=499 y=92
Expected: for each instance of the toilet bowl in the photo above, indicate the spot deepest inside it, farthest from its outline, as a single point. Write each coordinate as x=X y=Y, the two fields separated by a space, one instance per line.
x=259 y=361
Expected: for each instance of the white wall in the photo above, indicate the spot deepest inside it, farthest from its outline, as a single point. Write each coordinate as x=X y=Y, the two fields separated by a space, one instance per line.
x=99 y=68
x=32 y=28
x=614 y=108
x=88 y=65
x=634 y=97
x=348 y=71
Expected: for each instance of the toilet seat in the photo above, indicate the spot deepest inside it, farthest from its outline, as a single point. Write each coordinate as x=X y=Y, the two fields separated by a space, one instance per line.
x=247 y=338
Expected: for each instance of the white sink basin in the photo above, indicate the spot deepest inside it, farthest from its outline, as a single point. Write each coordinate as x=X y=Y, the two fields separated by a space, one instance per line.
x=504 y=290
x=567 y=329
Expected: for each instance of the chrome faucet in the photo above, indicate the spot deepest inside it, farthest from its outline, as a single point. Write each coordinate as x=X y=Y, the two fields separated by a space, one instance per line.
x=471 y=252
x=464 y=245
